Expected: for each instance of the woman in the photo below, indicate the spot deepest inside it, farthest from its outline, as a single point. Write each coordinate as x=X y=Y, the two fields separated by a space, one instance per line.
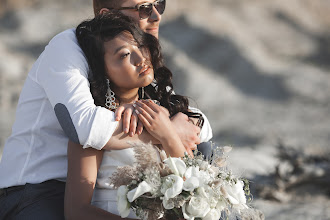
x=126 y=66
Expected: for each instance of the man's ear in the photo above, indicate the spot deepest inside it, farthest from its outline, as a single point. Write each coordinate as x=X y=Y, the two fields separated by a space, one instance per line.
x=103 y=10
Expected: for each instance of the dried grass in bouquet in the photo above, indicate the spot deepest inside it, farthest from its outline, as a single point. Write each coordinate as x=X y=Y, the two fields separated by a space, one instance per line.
x=157 y=187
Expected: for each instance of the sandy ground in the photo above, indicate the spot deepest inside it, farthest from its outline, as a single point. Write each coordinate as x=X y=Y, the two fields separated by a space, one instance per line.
x=258 y=69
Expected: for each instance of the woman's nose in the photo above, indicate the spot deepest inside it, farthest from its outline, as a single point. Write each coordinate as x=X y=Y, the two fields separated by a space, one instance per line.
x=139 y=58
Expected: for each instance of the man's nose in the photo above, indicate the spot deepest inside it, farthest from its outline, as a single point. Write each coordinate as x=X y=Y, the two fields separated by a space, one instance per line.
x=155 y=16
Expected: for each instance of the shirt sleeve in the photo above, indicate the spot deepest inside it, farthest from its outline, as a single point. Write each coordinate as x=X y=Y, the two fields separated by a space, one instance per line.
x=206 y=131
x=62 y=73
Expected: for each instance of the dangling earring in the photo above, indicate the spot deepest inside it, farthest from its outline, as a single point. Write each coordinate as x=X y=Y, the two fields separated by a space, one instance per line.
x=142 y=92
x=110 y=99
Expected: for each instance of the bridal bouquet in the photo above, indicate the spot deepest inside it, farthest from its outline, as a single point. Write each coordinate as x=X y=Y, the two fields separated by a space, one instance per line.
x=157 y=187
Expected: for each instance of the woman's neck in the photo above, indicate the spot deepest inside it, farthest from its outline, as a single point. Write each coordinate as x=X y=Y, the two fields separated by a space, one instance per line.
x=128 y=96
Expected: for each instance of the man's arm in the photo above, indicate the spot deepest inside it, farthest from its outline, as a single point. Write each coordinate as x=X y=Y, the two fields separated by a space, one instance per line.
x=62 y=72
x=206 y=131
x=189 y=133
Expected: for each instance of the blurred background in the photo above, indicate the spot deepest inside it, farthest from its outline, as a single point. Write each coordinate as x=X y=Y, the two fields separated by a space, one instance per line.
x=260 y=71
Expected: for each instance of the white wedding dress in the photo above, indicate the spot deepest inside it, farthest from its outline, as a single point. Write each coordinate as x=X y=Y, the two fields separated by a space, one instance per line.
x=105 y=196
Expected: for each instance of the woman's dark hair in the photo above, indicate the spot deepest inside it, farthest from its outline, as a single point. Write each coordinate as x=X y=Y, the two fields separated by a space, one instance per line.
x=91 y=35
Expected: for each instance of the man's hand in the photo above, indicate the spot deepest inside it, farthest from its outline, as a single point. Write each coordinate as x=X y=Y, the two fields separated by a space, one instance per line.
x=131 y=123
x=188 y=132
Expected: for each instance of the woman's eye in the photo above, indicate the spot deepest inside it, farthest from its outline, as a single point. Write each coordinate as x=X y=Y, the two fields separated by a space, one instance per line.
x=125 y=55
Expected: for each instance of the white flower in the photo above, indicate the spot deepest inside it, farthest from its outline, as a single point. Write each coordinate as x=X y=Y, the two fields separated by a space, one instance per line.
x=142 y=188
x=235 y=194
x=177 y=166
x=162 y=155
x=221 y=205
x=171 y=187
x=204 y=165
x=191 y=184
x=197 y=207
x=208 y=193
x=168 y=203
x=213 y=214
x=192 y=179
x=123 y=204
x=195 y=178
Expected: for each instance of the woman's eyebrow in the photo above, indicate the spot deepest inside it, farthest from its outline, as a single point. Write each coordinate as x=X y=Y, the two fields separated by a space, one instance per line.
x=119 y=48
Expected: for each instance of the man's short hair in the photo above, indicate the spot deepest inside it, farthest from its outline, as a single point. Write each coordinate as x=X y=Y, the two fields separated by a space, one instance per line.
x=99 y=4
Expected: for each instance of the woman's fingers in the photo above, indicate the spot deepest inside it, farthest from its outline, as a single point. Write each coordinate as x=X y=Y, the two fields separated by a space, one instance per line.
x=145 y=107
x=157 y=108
x=119 y=112
x=139 y=128
x=125 y=112
x=127 y=119
x=133 y=125
x=151 y=104
x=152 y=108
x=142 y=116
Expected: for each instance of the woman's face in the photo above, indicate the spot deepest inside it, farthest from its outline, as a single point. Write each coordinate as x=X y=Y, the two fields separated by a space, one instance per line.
x=127 y=68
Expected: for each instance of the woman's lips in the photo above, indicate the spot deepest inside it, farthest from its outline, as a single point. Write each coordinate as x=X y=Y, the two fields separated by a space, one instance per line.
x=145 y=70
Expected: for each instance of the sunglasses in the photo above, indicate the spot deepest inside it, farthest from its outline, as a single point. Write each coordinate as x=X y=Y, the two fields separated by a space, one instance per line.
x=145 y=9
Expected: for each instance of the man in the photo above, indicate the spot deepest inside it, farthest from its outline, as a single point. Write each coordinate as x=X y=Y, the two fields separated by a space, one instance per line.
x=56 y=106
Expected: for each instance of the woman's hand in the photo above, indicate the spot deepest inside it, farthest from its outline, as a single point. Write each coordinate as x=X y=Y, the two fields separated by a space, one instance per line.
x=131 y=123
x=157 y=122
x=155 y=119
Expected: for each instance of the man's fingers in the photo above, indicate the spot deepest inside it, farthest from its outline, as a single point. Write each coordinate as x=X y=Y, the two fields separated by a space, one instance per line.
x=198 y=140
x=194 y=147
x=197 y=129
x=189 y=151
x=119 y=112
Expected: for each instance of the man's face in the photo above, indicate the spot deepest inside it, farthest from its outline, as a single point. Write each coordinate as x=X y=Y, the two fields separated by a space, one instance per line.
x=149 y=25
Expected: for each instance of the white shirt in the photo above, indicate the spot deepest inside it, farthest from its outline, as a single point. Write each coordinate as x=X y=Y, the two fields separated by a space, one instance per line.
x=36 y=151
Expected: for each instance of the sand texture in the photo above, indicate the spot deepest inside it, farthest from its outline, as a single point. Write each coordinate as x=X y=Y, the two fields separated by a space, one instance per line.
x=260 y=71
